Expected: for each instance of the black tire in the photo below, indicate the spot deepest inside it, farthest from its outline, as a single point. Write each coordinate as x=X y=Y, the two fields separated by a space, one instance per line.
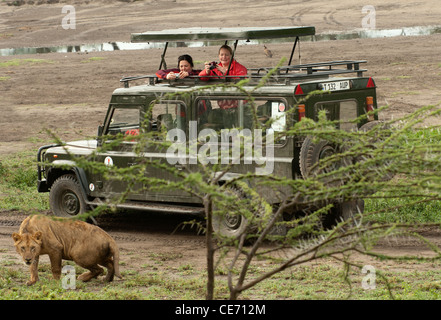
x=372 y=124
x=342 y=211
x=379 y=136
x=228 y=222
x=310 y=155
x=66 y=198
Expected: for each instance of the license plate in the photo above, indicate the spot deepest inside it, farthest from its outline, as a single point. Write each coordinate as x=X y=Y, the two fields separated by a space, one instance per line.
x=335 y=86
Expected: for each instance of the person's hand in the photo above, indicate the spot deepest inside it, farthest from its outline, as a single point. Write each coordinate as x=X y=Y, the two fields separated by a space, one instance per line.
x=183 y=74
x=171 y=76
x=207 y=67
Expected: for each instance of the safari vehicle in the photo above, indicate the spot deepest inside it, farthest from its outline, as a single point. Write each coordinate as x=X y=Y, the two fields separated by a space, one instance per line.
x=349 y=94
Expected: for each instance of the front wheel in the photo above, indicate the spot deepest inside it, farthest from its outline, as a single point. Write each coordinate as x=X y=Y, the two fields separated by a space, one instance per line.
x=66 y=198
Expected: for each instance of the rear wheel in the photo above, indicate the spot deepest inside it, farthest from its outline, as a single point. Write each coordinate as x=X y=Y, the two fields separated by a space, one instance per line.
x=380 y=170
x=342 y=211
x=66 y=198
x=229 y=222
x=313 y=162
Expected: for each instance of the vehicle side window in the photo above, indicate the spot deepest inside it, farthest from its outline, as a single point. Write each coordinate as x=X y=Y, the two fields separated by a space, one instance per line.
x=348 y=113
x=345 y=111
x=167 y=115
x=221 y=113
x=217 y=114
x=124 y=121
x=272 y=109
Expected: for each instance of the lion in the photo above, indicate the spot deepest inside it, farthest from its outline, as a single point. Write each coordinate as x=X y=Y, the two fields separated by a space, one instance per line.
x=87 y=245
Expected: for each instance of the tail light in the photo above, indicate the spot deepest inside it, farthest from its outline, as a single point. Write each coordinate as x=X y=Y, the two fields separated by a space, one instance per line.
x=370 y=107
x=301 y=109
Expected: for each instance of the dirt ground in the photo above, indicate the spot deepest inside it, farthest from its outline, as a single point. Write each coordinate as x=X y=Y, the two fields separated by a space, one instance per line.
x=68 y=93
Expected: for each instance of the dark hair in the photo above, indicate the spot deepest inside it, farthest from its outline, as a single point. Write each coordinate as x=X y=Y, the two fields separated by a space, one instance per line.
x=187 y=58
x=226 y=47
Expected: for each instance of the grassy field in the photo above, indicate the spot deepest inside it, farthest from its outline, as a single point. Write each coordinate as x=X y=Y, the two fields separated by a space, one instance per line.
x=321 y=281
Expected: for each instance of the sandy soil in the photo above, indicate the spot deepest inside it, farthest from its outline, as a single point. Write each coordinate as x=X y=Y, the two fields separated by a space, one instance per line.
x=68 y=93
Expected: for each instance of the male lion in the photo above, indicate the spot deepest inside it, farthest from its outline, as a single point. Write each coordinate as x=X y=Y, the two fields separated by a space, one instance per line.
x=86 y=244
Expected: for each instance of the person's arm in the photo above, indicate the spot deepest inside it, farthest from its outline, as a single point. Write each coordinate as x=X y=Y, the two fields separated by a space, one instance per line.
x=206 y=72
x=240 y=70
x=237 y=69
x=203 y=75
x=162 y=74
x=214 y=73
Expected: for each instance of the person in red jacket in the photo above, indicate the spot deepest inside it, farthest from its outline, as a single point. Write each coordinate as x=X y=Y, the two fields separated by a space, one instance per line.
x=185 y=69
x=221 y=69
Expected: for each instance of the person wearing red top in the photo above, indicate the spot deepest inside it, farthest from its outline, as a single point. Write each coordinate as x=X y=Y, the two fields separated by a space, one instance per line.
x=221 y=69
x=185 y=69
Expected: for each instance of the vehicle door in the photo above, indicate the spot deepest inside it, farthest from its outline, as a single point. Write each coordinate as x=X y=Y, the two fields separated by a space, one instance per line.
x=118 y=154
x=166 y=126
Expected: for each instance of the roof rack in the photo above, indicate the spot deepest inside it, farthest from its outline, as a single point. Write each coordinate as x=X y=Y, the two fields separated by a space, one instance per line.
x=282 y=74
x=313 y=70
x=153 y=79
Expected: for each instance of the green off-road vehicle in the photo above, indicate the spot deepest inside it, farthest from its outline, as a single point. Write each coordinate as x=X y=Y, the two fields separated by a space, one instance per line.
x=190 y=110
